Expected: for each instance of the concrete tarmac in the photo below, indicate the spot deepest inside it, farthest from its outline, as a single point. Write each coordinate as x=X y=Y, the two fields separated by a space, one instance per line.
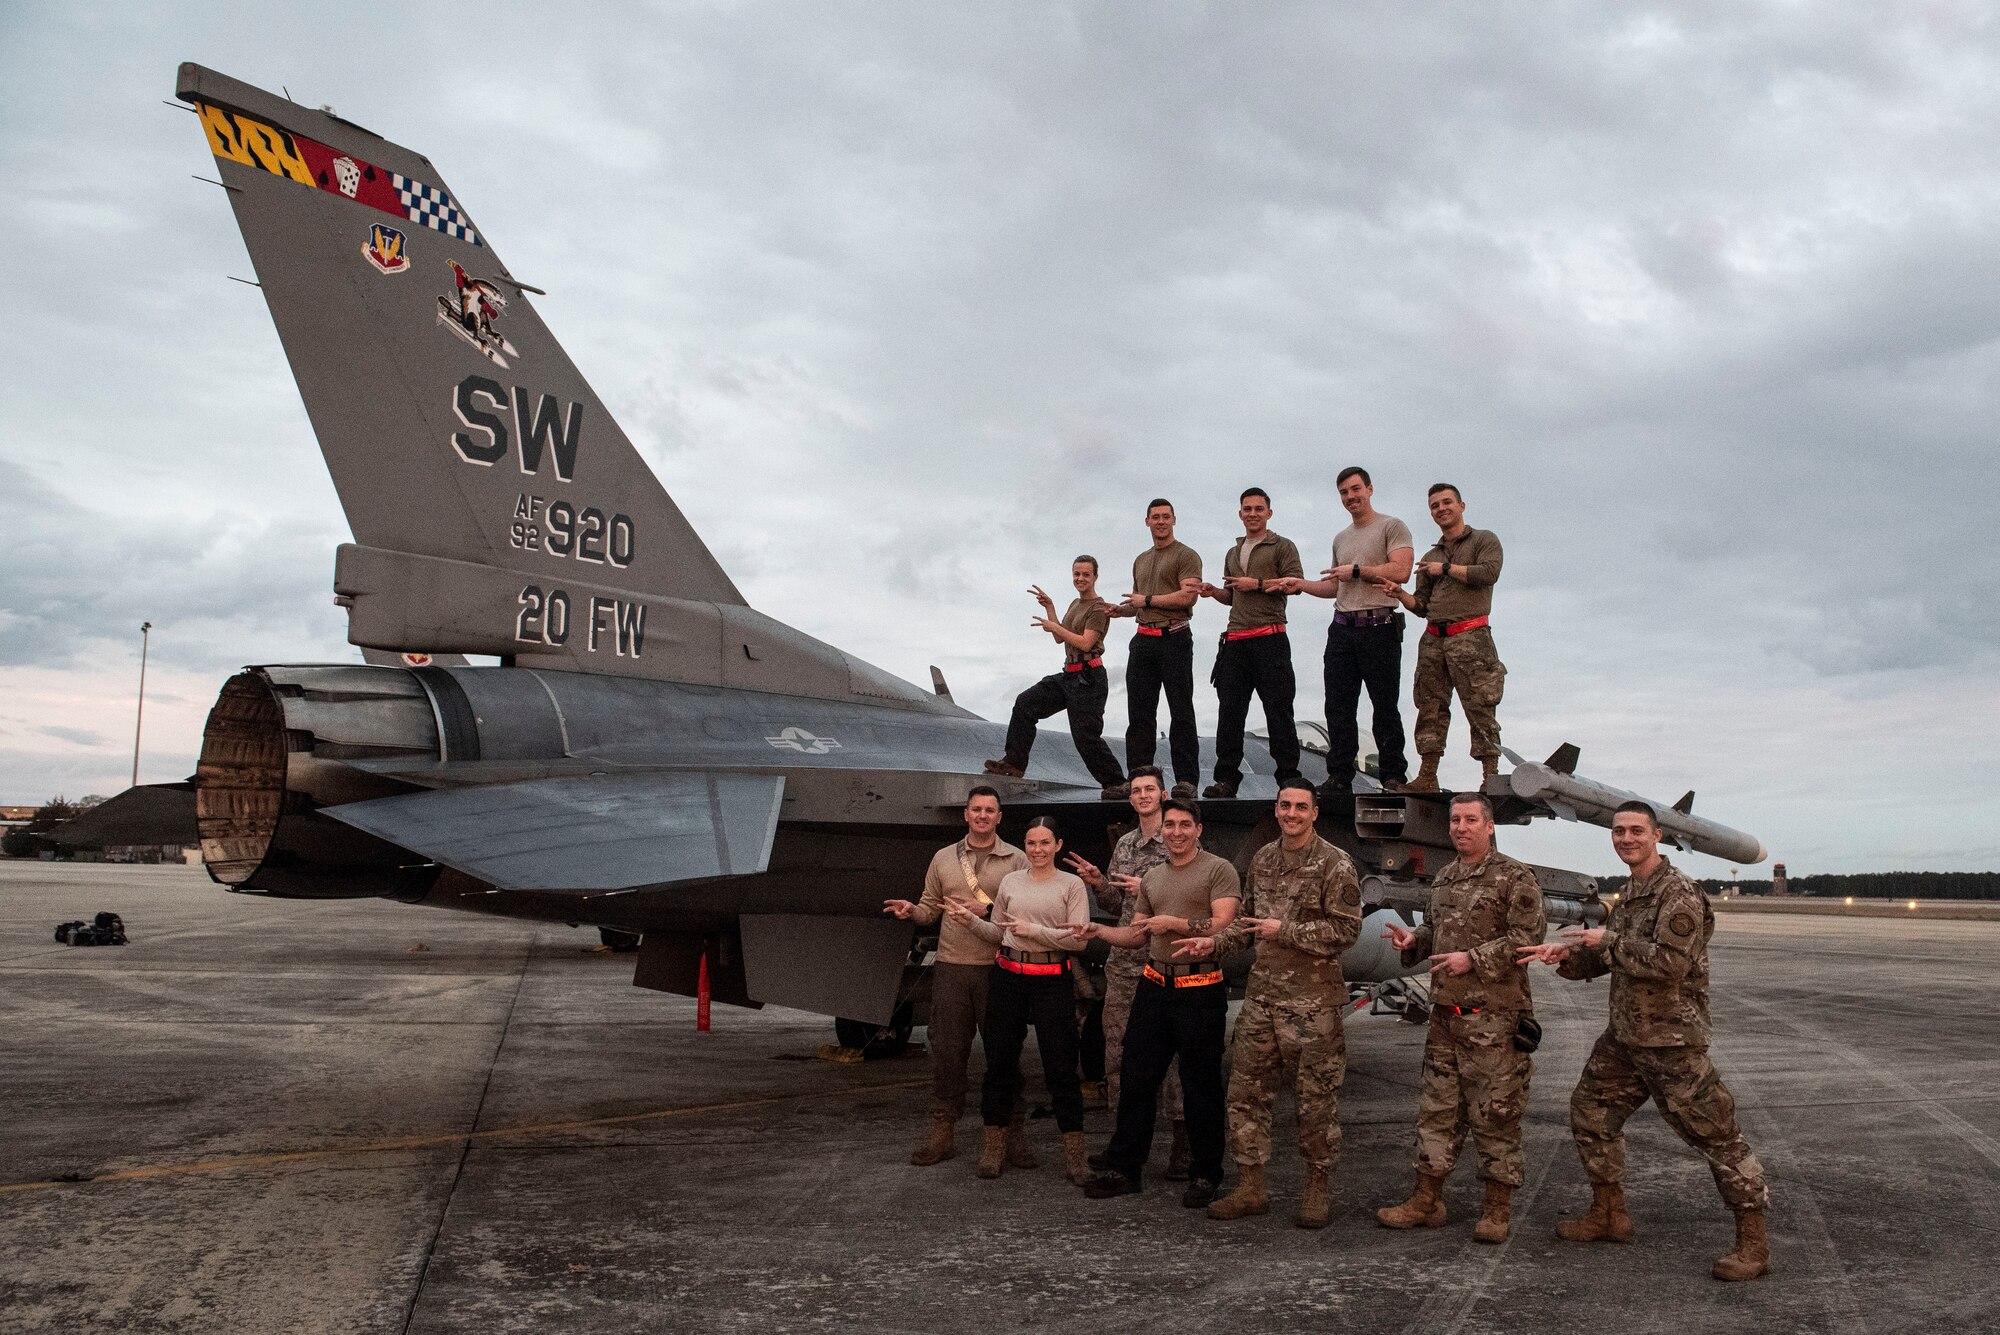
x=268 y=1115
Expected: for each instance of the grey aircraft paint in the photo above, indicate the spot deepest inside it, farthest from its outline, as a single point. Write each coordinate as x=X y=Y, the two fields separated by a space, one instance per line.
x=652 y=755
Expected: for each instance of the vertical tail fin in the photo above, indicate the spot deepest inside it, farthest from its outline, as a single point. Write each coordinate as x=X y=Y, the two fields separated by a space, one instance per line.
x=453 y=423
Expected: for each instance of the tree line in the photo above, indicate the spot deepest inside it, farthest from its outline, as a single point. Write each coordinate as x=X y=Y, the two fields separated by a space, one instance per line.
x=1879 y=885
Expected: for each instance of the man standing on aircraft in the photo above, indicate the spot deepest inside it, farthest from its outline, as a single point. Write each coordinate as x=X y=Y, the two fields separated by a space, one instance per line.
x=1181 y=1009
x=1081 y=687
x=1484 y=907
x=1364 y=645
x=1302 y=906
x=1256 y=653
x=1137 y=852
x=1166 y=582
x=969 y=870
x=1454 y=595
x=1656 y=950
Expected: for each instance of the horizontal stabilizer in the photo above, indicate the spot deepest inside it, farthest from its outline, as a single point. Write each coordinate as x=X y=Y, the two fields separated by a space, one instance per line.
x=604 y=832
x=152 y=813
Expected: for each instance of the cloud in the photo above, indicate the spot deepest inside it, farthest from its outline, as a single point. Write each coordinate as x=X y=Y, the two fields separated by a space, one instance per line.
x=908 y=306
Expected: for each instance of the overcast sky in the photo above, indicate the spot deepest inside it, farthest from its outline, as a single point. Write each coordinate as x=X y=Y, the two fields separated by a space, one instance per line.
x=910 y=303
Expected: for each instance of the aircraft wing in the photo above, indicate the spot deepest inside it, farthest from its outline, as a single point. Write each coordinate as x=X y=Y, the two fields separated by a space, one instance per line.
x=598 y=833
x=152 y=813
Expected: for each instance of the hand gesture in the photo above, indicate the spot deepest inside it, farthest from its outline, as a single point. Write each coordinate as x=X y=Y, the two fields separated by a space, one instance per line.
x=1048 y=603
x=1208 y=590
x=1455 y=962
x=1128 y=607
x=961 y=911
x=1195 y=948
x=899 y=908
x=1086 y=870
x=1435 y=569
x=1084 y=931
x=1591 y=937
x=1264 y=929
x=1554 y=952
x=1047 y=623
x=1399 y=936
x=1284 y=584
x=1243 y=583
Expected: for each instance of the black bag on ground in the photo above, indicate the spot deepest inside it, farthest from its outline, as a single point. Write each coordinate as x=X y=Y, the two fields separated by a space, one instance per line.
x=107 y=929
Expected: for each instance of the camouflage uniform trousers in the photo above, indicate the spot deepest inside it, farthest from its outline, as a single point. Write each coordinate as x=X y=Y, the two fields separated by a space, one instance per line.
x=1300 y=1037
x=1692 y=1099
x=1120 y=985
x=1475 y=1080
x=1469 y=664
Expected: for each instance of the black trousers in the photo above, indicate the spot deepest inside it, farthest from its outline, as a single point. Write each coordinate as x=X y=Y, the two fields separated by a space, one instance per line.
x=1013 y=1002
x=1168 y=1023
x=1157 y=663
x=1083 y=695
x=1090 y=1040
x=1370 y=656
x=1261 y=666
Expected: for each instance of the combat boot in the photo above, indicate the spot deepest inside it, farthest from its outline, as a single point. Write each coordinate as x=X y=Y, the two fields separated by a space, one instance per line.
x=939 y=1146
x=1249 y=1197
x=1427 y=777
x=1489 y=767
x=1605 y=1221
x=1178 y=1154
x=1752 y=1256
x=1075 y=1165
x=1315 y=1202
x=993 y=1152
x=1495 y=1213
x=1006 y=769
x=1424 y=1209
x=1019 y=1153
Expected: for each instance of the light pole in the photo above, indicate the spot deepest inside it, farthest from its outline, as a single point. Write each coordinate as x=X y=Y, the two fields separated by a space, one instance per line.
x=145 y=640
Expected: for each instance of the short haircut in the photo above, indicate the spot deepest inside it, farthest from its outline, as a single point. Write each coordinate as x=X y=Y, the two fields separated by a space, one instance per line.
x=1254 y=491
x=1181 y=804
x=1468 y=799
x=1090 y=561
x=1153 y=772
x=1044 y=823
x=1642 y=808
x=982 y=790
x=1352 y=471
x=1157 y=502
x=1437 y=487
x=1302 y=785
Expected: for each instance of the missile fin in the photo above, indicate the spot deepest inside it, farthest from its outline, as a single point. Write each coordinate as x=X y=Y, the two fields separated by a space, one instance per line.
x=1563 y=759
x=1686 y=805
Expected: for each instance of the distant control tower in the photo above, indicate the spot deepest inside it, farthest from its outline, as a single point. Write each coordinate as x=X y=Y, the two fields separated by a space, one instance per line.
x=1779 y=885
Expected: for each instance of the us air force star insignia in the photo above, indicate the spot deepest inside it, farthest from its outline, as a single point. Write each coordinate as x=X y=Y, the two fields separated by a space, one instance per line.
x=798 y=739
x=1681 y=924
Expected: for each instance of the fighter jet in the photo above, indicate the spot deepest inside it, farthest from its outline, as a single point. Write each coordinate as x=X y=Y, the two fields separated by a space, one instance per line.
x=650 y=755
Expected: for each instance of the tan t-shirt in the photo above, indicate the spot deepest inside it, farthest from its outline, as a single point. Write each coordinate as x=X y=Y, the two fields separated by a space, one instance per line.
x=1038 y=914
x=1185 y=892
x=1370 y=544
x=1084 y=616
x=1271 y=557
x=945 y=879
x=1160 y=570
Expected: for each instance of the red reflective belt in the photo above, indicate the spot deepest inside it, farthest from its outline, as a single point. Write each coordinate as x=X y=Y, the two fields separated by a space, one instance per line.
x=1257 y=633
x=1086 y=663
x=1037 y=970
x=1460 y=1010
x=1456 y=627
x=1153 y=975
x=1151 y=630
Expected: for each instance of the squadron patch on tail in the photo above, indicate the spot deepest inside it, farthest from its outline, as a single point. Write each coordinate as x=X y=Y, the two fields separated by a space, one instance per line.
x=384 y=250
x=470 y=312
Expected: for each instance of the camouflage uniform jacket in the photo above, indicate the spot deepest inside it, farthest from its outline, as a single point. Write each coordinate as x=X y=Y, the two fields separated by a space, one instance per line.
x=1487 y=910
x=1656 y=951
x=1316 y=895
x=1133 y=855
